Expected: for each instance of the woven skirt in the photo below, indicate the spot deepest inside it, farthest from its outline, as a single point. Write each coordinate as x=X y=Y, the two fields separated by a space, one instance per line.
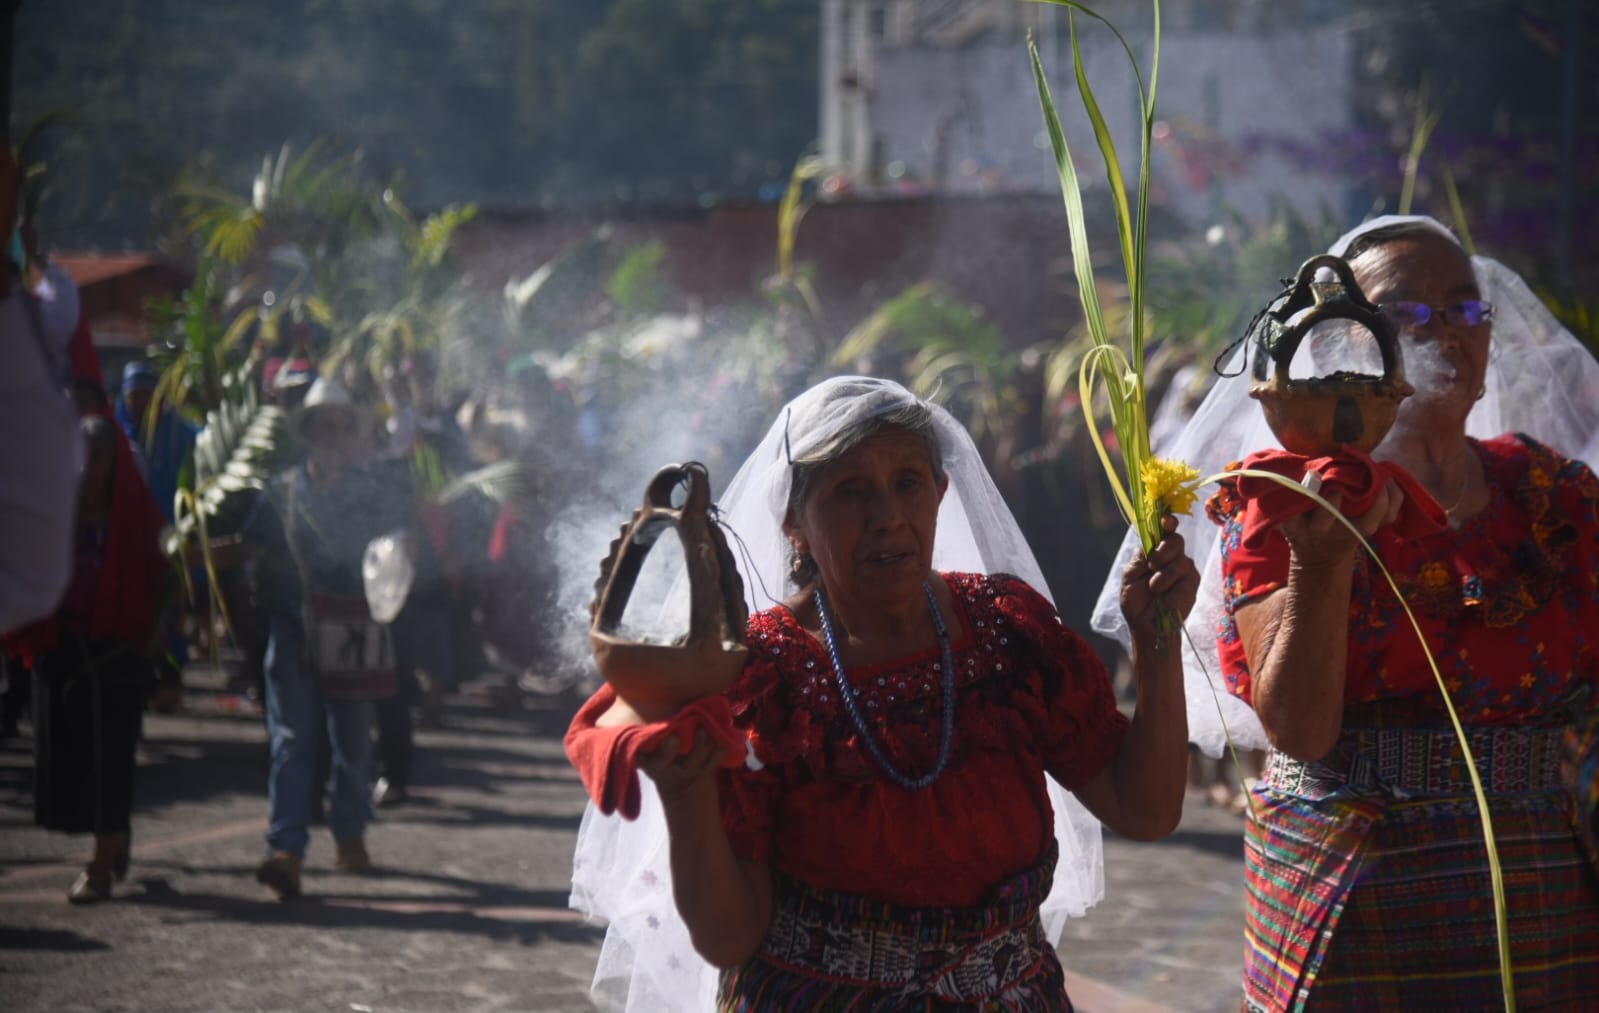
x=1374 y=893
x=829 y=951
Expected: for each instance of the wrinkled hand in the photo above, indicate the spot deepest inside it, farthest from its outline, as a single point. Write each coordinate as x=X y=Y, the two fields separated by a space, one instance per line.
x=1317 y=539
x=1163 y=582
x=676 y=775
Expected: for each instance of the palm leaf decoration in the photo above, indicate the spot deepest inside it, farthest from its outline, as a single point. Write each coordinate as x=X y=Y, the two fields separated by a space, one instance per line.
x=503 y=482
x=540 y=307
x=311 y=196
x=1121 y=370
x=791 y=210
x=197 y=356
x=946 y=349
x=243 y=443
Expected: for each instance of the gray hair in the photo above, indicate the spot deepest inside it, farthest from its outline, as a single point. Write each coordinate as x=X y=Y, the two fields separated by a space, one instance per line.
x=1385 y=234
x=915 y=418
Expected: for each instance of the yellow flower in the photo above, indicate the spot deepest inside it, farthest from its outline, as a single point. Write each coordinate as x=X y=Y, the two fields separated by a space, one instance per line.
x=1171 y=485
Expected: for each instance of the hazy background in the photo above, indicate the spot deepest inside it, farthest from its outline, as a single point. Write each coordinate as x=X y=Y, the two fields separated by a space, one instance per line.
x=644 y=145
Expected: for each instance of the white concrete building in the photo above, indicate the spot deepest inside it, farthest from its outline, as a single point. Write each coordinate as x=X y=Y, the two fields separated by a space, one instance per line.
x=938 y=95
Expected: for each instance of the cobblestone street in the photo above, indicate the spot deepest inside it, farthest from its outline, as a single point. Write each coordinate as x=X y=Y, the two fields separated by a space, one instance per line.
x=468 y=908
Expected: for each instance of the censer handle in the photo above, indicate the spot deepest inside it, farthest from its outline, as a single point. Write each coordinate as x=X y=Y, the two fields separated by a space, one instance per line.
x=1342 y=300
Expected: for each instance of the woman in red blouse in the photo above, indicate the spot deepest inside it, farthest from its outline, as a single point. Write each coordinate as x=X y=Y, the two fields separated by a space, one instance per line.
x=891 y=839
x=1368 y=884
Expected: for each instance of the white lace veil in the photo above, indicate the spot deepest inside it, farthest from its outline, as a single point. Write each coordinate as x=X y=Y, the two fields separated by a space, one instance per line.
x=620 y=870
x=1540 y=381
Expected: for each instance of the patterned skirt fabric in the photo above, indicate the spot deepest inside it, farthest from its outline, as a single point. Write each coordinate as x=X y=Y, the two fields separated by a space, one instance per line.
x=1361 y=899
x=831 y=952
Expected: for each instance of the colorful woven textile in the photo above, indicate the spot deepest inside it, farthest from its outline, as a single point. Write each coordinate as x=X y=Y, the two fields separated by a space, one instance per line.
x=1508 y=603
x=833 y=951
x=1378 y=896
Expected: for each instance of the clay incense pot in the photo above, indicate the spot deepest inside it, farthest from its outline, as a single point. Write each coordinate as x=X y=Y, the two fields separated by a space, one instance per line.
x=655 y=680
x=1319 y=415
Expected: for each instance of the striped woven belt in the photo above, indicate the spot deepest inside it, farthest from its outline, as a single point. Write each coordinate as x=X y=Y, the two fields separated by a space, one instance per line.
x=1406 y=762
x=957 y=955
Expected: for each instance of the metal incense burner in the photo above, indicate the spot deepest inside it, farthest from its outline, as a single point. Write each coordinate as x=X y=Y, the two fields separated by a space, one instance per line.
x=656 y=680
x=1317 y=416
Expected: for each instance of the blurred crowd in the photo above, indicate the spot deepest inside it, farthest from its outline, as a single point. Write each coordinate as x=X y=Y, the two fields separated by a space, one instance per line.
x=385 y=494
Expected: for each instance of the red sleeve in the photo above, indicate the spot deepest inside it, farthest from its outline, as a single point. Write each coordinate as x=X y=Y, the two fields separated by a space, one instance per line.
x=1084 y=726
x=1254 y=556
x=134 y=569
x=80 y=352
x=1577 y=500
x=1578 y=497
x=1254 y=563
x=750 y=797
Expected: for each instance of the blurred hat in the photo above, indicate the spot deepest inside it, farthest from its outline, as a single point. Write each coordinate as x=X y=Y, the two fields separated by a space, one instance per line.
x=140 y=374
x=326 y=396
x=292 y=373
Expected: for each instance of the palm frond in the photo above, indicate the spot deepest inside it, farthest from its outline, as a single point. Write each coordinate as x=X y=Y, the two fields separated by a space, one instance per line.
x=791 y=210
x=504 y=482
x=437 y=233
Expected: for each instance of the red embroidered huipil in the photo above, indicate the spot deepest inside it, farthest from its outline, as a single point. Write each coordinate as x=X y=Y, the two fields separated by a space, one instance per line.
x=1509 y=602
x=1031 y=697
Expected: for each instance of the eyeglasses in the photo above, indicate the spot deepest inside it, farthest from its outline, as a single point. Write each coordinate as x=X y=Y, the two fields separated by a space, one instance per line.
x=1470 y=313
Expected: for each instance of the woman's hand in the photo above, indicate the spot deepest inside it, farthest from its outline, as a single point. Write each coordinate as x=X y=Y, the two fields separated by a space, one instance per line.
x=1318 y=539
x=677 y=773
x=1140 y=794
x=1163 y=581
x=725 y=902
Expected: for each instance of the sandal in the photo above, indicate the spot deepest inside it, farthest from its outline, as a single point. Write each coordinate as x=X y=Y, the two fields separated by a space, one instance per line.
x=89 y=888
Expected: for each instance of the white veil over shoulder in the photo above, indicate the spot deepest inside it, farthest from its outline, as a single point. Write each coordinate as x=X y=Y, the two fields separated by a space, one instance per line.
x=620 y=870
x=1541 y=381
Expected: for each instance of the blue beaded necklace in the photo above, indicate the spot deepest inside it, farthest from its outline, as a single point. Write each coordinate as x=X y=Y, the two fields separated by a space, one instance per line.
x=852 y=705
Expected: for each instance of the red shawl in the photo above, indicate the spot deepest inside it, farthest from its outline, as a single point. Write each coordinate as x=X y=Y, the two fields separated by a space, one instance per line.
x=85 y=362
x=128 y=582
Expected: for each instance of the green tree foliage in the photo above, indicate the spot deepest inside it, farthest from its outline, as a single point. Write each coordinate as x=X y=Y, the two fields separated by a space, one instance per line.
x=508 y=103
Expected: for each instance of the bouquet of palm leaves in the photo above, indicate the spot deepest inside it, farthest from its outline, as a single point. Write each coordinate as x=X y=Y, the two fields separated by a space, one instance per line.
x=1145 y=487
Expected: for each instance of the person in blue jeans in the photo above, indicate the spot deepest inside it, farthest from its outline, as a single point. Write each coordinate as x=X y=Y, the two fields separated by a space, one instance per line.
x=309 y=533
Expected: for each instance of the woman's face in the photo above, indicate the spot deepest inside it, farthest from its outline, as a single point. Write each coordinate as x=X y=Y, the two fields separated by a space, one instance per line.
x=869 y=518
x=1445 y=360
